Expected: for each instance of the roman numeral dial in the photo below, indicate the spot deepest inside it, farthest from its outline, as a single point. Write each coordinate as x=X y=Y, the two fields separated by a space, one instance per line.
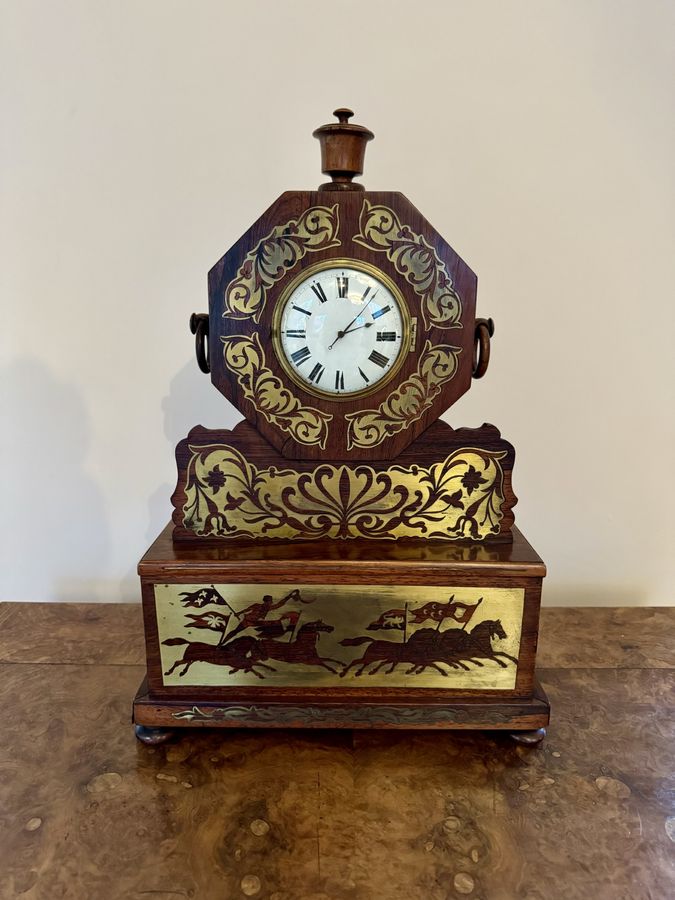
x=340 y=330
x=320 y=293
x=316 y=373
x=379 y=359
x=300 y=355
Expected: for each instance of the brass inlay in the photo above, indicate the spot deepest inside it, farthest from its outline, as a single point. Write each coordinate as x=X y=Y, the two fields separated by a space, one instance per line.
x=408 y=403
x=413 y=334
x=310 y=273
x=286 y=635
x=316 y=229
x=416 y=260
x=229 y=497
x=245 y=358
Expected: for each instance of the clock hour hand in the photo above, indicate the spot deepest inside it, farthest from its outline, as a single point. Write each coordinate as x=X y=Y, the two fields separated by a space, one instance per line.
x=345 y=331
x=365 y=325
x=341 y=334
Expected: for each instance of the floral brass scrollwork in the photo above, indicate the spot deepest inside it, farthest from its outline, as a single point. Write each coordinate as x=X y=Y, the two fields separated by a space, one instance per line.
x=316 y=229
x=407 y=404
x=415 y=259
x=227 y=496
x=245 y=358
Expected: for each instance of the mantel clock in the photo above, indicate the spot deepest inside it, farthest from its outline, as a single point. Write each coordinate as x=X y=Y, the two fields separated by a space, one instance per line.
x=342 y=557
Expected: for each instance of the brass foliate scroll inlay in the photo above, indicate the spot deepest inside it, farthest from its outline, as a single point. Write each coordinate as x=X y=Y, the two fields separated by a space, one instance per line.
x=407 y=404
x=245 y=358
x=277 y=253
x=416 y=260
x=227 y=496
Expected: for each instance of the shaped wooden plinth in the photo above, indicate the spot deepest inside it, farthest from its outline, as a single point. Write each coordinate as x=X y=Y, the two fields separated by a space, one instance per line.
x=351 y=635
x=449 y=485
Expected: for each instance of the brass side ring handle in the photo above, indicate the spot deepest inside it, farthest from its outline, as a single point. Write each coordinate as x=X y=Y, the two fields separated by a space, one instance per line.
x=199 y=326
x=485 y=328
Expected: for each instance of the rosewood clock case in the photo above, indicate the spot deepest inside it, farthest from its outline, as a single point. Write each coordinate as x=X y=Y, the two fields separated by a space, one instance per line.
x=385 y=232
x=342 y=561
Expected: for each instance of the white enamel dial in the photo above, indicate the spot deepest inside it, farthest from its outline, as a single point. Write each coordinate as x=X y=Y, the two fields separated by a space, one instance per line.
x=341 y=331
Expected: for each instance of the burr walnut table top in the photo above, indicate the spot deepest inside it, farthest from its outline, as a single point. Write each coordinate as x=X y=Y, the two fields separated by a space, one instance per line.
x=88 y=812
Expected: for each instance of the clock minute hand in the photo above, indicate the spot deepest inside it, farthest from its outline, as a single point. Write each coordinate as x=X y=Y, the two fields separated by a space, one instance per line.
x=344 y=331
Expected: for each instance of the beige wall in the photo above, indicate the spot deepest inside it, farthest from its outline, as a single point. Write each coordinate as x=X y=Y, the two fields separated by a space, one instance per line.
x=141 y=138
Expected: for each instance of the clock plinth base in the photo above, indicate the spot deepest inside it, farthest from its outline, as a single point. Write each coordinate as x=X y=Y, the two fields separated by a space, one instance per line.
x=525 y=721
x=330 y=634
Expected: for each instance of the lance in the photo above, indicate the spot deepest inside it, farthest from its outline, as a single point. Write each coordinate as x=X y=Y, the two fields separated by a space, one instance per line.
x=223 y=633
x=464 y=624
x=295 y=627
x=234 y=612
x=441 y=617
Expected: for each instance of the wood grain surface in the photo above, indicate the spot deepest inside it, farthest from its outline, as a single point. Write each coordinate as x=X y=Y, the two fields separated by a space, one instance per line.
x=339 y=561
x=88 y=812
x=242 y=269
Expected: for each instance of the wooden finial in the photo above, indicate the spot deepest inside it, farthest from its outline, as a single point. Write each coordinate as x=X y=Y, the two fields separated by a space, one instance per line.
x=343 y=148
x=343 y=114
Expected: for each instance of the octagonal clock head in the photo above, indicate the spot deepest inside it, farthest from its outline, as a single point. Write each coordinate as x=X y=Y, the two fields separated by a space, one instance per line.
x=341 y=324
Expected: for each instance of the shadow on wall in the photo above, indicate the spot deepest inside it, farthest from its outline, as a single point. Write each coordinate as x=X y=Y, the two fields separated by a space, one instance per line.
x=56 y=534
x=192 y=400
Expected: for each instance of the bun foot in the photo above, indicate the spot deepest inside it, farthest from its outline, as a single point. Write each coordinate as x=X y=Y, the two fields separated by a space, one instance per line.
x=152 y=736
x=529 y=738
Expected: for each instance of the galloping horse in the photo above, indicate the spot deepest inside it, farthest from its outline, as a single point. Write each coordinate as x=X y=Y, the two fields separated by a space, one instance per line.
x=393 y=653
x=302 y=650
x=242 y=655
x=428 y=647
x=470 y=646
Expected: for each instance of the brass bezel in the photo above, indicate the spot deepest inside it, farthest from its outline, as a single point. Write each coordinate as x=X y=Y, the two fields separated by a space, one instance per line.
x=367 y=269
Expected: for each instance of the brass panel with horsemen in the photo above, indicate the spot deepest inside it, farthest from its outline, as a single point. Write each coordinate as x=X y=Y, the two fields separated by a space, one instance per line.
x=460 y=638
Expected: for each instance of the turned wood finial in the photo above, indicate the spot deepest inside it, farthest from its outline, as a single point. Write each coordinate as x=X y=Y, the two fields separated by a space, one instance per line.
x=343 y=114
x=343 y=148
